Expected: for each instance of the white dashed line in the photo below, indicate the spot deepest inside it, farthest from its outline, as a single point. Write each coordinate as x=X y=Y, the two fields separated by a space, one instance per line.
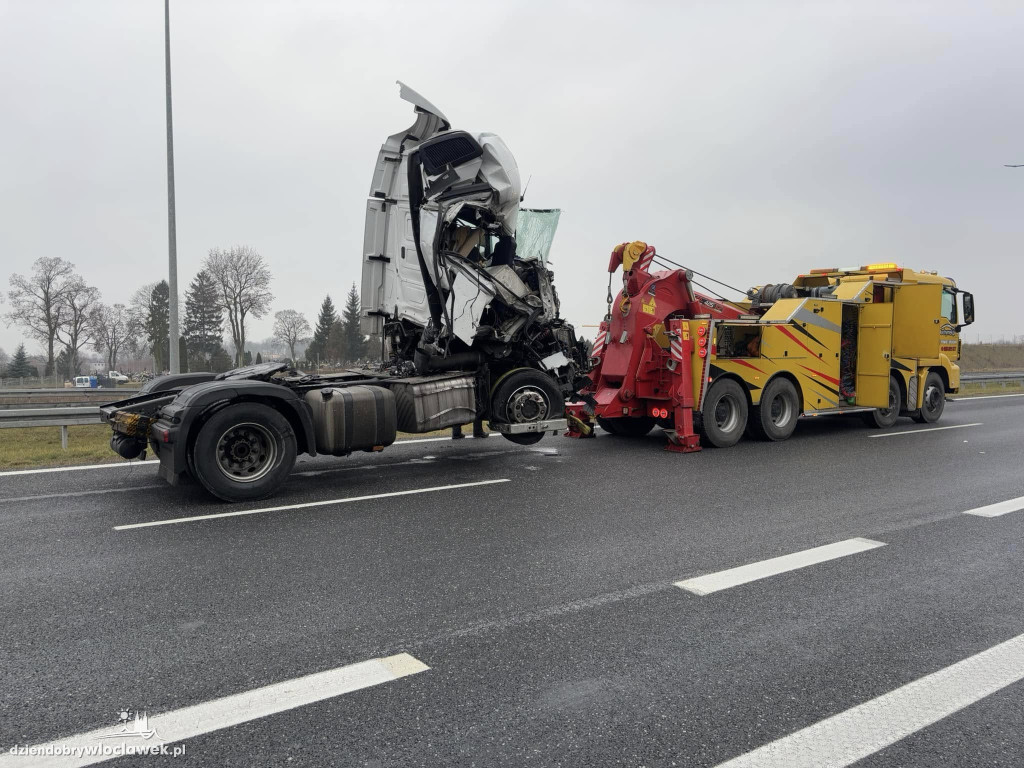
x=189 y=722
x=308 y=504
x=999 y=508
x=925 y=431
x=733 y=577
x=852 y=735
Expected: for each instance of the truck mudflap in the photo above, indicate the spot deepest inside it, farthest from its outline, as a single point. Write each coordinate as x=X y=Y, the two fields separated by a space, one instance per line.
x=546 y=427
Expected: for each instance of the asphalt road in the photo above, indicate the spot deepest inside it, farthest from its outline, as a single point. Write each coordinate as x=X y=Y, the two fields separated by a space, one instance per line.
x=543 y=600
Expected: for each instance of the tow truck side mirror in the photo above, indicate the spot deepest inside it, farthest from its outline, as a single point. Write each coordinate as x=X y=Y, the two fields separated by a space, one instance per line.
x=968 y=314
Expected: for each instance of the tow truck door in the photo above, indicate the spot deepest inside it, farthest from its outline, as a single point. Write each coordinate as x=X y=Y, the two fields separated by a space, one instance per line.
x=874 y=350
x=916 y=320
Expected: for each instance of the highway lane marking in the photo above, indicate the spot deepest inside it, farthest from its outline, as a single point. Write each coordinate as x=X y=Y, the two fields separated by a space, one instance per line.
x=309 y=504
x=76 y=494
x=112 y=465
x=852 y=735
x=116 y=464
x=744 y=574
x=189 y=722
x=999 y=508
x=929 y=429
x=968 y=398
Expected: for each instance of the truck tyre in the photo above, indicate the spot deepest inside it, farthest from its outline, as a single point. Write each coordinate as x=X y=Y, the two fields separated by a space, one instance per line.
x=934 y=402
x=776 y=416
x=244 y=452
x=883 y=418
x=627 y=427
x=724 y=415
x=525 y=396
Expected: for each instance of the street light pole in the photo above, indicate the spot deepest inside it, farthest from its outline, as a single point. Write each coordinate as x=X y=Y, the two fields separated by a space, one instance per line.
x=172 y=239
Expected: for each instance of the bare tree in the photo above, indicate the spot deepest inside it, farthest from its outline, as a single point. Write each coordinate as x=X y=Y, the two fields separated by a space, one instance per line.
x=243 y=283
x=75 y=330
x=115 y=329
x=37 y=301
x=291 y=328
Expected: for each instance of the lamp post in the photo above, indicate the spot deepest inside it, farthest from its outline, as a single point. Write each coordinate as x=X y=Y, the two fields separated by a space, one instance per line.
x=172 y=244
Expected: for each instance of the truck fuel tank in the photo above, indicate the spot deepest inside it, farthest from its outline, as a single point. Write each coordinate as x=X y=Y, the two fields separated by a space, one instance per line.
x=356 y=418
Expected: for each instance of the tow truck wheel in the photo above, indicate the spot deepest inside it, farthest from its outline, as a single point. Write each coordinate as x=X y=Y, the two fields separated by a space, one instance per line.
x=724 y=415
x=934 y=400
x=776 y=416
x=244 y=452
x=627 y=427
x=883 y=418
x=526 y=396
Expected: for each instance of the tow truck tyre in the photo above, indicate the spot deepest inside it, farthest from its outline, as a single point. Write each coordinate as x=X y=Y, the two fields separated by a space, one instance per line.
x=628 y=427
x=882 y=418
x=775 y=418
x=724 y=415
x=934 y=400
x=244 y=452
x=525 y=396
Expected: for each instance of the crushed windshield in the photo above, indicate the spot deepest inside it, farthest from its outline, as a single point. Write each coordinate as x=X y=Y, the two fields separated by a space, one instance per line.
x=535 y=230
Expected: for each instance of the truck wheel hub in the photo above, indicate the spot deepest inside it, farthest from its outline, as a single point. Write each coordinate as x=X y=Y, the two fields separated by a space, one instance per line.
x=246 y=452
x=527 y=404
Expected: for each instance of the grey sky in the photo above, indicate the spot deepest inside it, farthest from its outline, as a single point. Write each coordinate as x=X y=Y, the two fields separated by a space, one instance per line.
x=752 y=141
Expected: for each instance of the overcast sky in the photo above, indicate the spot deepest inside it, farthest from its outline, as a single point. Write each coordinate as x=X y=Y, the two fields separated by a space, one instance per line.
x=752 y=141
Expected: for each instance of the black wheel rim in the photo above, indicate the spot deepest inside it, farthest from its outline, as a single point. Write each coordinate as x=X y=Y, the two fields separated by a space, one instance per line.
x=246 y=452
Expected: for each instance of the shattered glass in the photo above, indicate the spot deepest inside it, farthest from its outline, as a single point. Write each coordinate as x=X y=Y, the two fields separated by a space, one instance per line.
x=535 y=231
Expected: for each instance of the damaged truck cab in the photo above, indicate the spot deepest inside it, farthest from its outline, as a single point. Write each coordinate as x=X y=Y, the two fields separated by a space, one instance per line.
x=458 y=297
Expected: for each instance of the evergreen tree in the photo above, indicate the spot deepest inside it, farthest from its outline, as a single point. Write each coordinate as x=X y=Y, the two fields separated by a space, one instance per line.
x=247 y=359
x=220 y=361
x=336 y=351
x=317 y=349
x=158 y=325
x=259 y=358
x=355 y=345
x=62 y=364
x=19 y=366
x=204 y=321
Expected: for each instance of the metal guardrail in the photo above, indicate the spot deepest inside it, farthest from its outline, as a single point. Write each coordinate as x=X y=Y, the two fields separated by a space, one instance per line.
x=993 y=376
x=50 y=417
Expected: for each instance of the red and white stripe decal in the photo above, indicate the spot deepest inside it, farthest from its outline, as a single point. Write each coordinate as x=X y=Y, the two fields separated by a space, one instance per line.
x=676 y=346
x=599 y=343
x=645 y=258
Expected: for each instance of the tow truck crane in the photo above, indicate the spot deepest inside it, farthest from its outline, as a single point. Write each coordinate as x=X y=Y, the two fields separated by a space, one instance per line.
x=880 y=340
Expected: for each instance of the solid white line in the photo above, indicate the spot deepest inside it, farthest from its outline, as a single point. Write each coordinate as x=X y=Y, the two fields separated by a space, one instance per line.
x=308 y=504
x=929 y=429
x=714 y=582
x=405 y=441
x=874 y=725
x=115 y=464
x=967 y=398
x=189 y=722
x=112 y=465
x=999 y=508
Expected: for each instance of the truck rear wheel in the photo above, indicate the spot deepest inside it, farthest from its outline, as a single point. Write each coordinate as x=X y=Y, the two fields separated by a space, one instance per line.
x=724 y=415
x=883 y=418
x=526 y=396
x=776 y=416
x=244 y=452
x=934 y=402
x=626 y=427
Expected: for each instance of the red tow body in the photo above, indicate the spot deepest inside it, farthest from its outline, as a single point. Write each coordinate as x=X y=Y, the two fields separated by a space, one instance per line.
x=643 y=350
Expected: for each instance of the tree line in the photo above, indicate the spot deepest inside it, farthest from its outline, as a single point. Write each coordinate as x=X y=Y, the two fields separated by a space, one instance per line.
x=57 y=308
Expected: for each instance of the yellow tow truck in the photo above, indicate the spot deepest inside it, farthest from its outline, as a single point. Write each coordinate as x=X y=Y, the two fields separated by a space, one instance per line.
x=879 y=339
